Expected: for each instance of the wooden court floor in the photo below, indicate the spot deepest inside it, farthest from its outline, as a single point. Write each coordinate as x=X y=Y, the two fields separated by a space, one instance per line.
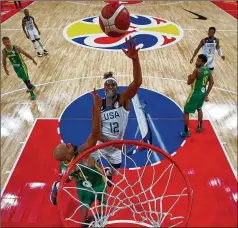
x=67 y=72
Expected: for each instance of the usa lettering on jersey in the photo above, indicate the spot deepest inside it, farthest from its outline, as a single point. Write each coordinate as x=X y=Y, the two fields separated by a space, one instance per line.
x=209 y=45
x=110 y=115
x=29 y=23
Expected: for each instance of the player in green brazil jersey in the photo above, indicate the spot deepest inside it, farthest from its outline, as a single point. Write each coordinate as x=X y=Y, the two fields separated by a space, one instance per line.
x=87 y=174
x=13 y=53
x=199 y=79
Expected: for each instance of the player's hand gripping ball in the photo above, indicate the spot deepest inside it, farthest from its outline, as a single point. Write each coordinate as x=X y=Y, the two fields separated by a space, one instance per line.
x=114 y=19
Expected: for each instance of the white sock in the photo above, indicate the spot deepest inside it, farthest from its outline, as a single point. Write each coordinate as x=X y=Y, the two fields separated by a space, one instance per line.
x=35 y=46
x=41 y=44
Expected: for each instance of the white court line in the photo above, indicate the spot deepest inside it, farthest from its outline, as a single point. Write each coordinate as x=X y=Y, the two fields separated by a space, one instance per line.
x=218 y=30
x=174 y=153
x=166 y=4
x=81 y=78
x=184 y=141
x=18 y=29
x=135 y=168
x=156 y=163
x=224 y=150
x=87 y=4
x=143 y=4
x=18 y=157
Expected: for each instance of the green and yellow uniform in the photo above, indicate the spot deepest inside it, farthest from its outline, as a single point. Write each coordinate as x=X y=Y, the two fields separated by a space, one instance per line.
x=197 y=95
x=17 y=62
x=90 y=180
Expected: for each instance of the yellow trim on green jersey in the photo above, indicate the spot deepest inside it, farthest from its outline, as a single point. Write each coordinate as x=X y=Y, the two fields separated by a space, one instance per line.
x=191 y=93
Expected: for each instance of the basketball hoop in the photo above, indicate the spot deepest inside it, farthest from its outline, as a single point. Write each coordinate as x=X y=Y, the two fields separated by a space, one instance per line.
x=154 y=195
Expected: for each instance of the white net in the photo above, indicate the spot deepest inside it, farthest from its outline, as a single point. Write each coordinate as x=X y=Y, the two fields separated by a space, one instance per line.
x=152 y=195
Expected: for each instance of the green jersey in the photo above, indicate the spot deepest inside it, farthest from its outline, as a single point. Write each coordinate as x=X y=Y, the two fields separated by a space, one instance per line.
x=90 y=183
x=200 y=84
x=14 y=57
x=84 y=175
x=197 y=95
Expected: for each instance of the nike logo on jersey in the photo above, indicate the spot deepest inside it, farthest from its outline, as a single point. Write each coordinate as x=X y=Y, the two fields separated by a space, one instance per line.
x=199 y=17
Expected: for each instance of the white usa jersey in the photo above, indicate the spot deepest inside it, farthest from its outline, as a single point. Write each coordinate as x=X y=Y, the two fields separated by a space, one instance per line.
x=29 y=24
x=114 y=120
x=209 y=47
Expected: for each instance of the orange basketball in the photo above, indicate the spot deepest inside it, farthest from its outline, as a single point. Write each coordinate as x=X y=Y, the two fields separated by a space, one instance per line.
x=114 y=19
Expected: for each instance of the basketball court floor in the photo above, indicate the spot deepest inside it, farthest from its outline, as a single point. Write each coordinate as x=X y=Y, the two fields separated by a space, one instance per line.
x=79 y=54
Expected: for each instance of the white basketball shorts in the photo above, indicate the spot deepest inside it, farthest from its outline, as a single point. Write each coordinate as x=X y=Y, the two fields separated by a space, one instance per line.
x=210 y=62
x=33 y=34
x=111 y=154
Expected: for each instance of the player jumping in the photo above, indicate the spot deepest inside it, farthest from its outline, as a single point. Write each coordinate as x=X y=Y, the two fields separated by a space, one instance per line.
x=198 y=79
x=115 y=110
x=32 y=32
x=209 y=45
x=87 y=179
x=13 y=53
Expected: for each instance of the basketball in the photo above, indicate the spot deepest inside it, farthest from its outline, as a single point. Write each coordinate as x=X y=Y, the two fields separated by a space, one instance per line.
x=114 y=19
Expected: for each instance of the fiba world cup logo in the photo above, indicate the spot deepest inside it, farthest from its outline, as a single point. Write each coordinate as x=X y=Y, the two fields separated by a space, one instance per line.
x=150 y=33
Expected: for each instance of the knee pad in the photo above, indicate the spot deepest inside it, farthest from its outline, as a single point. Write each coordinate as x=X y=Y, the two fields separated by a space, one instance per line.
x=33 y=41
x=37 y=39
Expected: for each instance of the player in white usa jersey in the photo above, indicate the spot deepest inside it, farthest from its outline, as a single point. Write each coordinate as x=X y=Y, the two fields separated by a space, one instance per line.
x=115 y=110
x=32 y=32
x=209 y=45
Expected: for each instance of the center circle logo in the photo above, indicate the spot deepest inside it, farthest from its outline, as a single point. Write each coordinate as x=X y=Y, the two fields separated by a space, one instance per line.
x=150 y=33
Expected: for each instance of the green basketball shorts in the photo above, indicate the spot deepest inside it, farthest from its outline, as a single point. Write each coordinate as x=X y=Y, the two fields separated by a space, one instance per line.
x=87 y=195
x=22 y=72
x=194 y=102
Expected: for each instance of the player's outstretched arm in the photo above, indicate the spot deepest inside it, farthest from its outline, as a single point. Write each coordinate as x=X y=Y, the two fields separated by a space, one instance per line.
x=132 y=89
x=26 y=54
x=4 y=62
x=219 y=51
x=197 y=50
x=211 y=83
x=96 y=122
